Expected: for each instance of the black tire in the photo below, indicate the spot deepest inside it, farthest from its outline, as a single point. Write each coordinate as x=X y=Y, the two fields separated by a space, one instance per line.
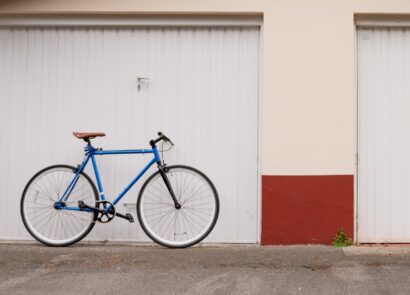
x=24 y=211
x=150 y=183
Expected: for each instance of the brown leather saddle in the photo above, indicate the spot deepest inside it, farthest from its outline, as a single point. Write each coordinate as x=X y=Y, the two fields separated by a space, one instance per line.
x=88 y=135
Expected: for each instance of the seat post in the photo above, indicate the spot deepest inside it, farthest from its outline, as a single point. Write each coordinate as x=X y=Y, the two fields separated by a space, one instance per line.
x=88 y=141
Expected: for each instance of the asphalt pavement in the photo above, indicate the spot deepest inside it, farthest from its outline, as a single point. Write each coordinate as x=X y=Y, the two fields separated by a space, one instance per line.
x=134 y=269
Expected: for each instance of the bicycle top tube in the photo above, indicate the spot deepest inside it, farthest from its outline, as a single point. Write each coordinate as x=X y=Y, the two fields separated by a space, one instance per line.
x=124 y=152
x=89 y=149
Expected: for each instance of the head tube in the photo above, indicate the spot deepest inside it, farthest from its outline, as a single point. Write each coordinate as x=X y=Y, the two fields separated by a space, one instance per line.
x=156 y=154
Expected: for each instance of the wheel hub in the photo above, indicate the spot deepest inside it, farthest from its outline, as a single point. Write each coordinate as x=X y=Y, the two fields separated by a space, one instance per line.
x=59 y=205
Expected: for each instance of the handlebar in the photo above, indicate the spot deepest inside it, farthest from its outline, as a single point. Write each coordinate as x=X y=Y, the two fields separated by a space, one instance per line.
x=162 y=136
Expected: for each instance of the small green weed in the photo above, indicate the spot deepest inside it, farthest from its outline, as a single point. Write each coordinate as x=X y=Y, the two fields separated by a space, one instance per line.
x=341 y=239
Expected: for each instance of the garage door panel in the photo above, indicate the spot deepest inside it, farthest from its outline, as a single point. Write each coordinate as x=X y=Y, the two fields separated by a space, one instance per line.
x=384 y=134
x=202 y=91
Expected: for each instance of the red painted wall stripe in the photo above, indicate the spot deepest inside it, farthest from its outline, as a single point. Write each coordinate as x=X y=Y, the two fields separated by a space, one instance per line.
x=306 y=209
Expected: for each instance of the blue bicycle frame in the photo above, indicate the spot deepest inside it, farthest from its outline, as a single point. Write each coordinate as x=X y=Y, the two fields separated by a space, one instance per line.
x=90 y=153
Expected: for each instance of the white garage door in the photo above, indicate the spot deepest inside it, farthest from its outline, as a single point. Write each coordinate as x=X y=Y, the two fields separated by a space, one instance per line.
x=384 y=135
x=202 y=92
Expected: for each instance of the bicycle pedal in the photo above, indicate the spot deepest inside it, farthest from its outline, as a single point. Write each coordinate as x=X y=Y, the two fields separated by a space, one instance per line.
x=129 y=217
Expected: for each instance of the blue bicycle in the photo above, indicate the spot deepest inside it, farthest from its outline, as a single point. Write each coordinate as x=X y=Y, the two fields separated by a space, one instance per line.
x=177 y=206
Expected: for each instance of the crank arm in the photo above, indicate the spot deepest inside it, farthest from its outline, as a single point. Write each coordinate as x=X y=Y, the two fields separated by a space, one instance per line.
x=83 y=205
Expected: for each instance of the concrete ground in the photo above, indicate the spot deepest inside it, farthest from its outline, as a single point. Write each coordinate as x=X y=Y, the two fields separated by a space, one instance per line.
x=131 y=269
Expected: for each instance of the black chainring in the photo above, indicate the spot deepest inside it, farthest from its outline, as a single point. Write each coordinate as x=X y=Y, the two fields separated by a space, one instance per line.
x=105 y=217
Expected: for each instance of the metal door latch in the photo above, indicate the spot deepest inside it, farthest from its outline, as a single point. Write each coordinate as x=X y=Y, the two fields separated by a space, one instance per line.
x=140 y=81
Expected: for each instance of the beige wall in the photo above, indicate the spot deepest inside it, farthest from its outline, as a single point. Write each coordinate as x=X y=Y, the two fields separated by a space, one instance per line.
x=309 y=71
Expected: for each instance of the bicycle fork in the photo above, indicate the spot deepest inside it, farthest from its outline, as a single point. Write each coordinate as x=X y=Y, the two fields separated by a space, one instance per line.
x=164 y=176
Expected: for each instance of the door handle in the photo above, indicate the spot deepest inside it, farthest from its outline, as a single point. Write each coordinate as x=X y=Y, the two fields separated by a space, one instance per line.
x=140 y=81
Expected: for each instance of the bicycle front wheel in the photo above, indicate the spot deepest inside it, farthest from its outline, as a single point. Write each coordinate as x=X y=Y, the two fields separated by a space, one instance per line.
x=58 y=227
x=183 y=227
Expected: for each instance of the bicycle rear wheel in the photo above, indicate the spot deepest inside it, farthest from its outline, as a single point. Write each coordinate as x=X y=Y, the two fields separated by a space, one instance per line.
x=58 y=227
x=184 y=227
